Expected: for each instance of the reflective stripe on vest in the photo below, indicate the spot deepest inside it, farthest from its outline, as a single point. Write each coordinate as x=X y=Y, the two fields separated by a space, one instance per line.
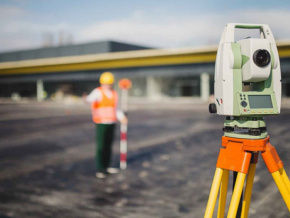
x=104 y=111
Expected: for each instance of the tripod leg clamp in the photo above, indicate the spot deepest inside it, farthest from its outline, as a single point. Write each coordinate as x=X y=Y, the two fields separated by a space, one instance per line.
x=234 y=158
x=236 y=155
x=272 y=159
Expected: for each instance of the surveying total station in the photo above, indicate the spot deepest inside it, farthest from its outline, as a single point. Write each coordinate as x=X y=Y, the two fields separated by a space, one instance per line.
x=247 y=87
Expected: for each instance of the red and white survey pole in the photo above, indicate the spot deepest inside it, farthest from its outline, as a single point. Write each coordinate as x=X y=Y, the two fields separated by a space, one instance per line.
x=124 y=85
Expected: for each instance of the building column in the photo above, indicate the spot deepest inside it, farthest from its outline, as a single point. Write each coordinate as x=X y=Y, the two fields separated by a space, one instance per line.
x=39 y=90
x=153 y=88
x=204 y=86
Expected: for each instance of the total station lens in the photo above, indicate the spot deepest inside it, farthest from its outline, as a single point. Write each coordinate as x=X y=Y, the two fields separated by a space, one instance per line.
x=262 y=57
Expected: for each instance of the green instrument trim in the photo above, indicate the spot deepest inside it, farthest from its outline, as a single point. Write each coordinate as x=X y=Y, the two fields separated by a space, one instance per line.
x=236 y=48
x=244 y=59
x=246 y=123
x=248 y=27
x=246 y=136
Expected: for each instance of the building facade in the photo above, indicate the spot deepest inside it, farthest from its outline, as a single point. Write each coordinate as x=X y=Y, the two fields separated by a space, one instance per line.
x=155 y=73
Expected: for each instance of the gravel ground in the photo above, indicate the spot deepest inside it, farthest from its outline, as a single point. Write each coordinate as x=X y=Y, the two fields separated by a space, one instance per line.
x=47 y=163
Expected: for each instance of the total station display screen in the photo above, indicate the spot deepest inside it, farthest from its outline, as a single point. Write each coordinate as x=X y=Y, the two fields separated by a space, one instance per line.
x=260 y=101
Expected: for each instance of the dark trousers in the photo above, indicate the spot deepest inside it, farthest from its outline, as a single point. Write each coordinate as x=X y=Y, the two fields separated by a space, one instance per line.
x=104 y=142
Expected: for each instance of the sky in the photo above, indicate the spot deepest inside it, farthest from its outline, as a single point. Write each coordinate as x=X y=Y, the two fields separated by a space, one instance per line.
x=26 y=24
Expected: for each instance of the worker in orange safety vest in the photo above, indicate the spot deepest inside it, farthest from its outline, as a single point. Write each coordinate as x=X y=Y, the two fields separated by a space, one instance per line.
x=105 y=113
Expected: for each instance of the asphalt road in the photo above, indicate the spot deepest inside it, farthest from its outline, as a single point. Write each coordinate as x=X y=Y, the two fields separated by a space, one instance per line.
x=47 y=163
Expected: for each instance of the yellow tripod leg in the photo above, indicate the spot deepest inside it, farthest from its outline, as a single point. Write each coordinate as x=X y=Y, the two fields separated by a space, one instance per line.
x=236 y=195
x=285 y=179
x=282 y=188
x=248 y=191
x=213 y=193
x=223 y=194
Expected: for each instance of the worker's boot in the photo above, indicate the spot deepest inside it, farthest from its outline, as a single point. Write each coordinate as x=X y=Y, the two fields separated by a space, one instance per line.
x=100 y=175
x=111 y=170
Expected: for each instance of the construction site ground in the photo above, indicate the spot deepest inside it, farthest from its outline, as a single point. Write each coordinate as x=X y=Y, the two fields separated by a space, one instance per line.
x=47 y=166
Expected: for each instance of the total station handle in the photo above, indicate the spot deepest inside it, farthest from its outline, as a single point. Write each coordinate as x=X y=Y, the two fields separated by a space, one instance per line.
x=228 y=35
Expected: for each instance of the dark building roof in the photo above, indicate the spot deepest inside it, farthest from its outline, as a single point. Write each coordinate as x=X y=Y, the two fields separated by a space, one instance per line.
x=69 y=50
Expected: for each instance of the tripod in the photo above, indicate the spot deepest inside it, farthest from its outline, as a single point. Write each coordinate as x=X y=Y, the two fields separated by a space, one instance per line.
x=241 y=155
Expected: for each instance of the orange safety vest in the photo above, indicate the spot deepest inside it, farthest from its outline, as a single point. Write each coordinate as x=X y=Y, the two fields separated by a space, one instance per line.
x=104 y=111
